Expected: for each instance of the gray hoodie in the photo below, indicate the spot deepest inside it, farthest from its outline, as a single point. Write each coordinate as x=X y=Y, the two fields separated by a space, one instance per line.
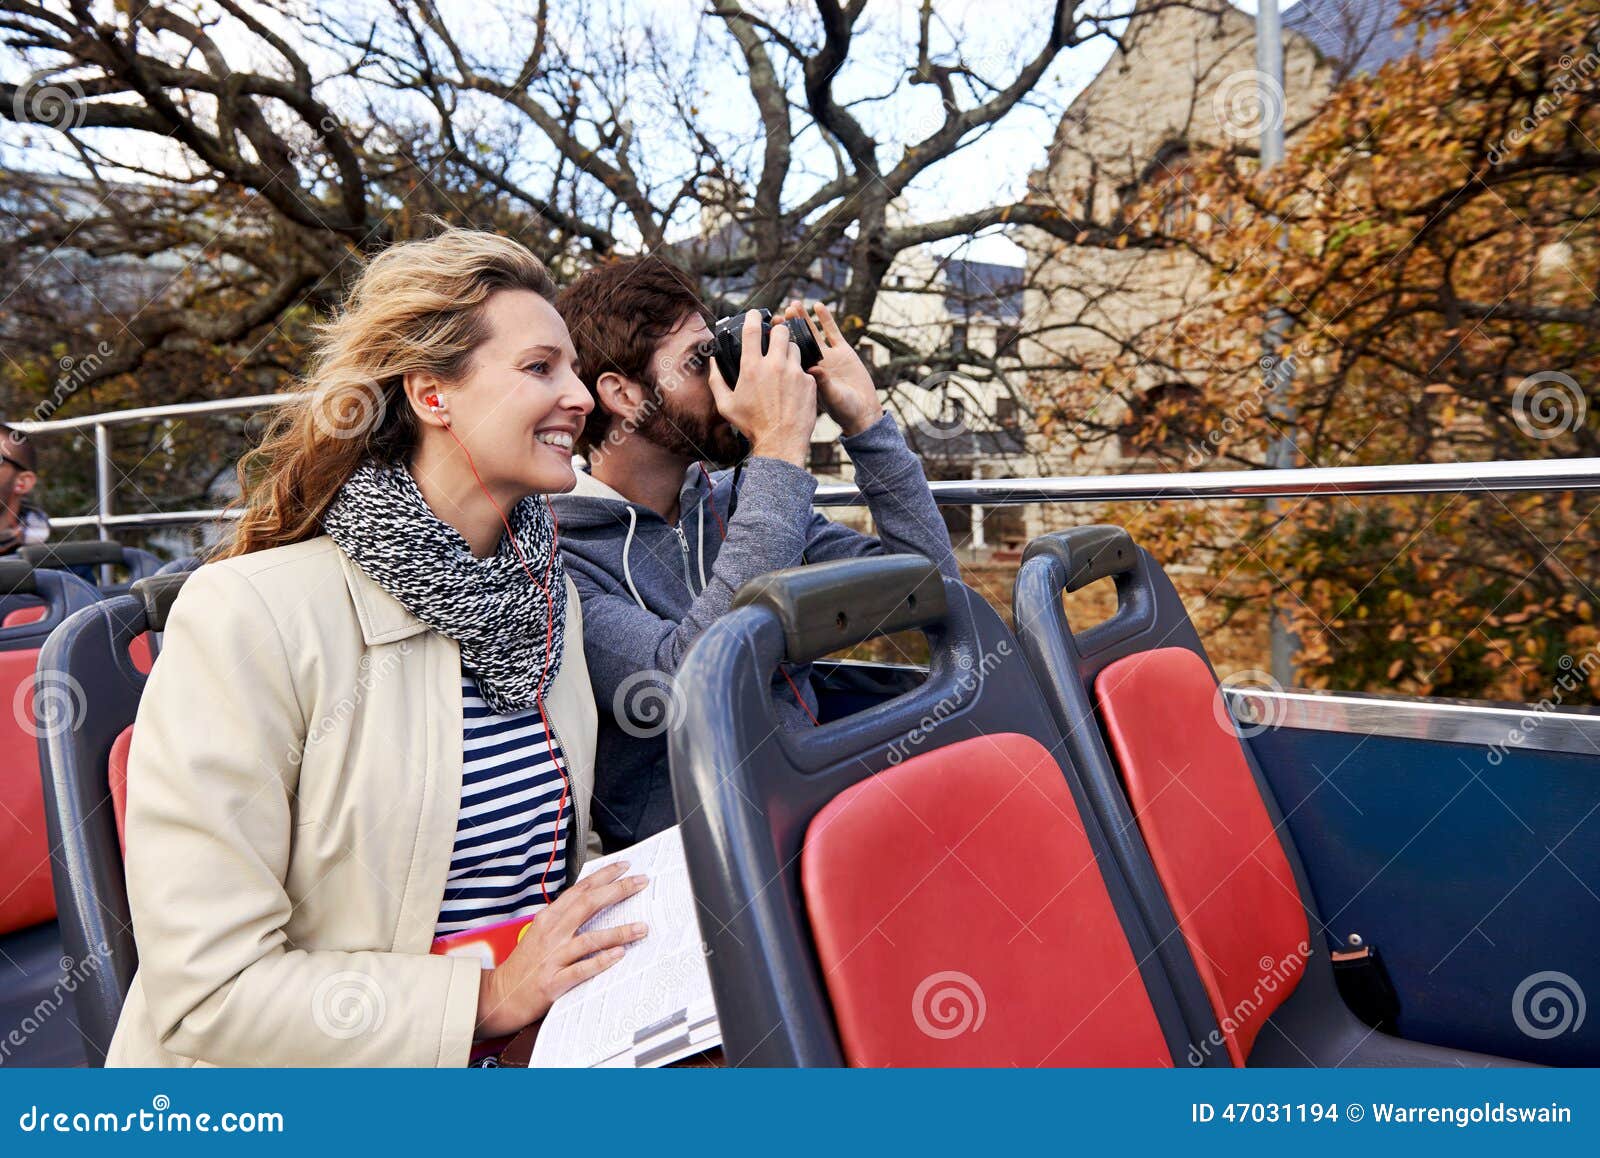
x=650 y=588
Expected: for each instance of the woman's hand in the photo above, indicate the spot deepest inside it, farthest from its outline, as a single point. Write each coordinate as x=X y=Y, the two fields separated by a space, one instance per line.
x=553 y=957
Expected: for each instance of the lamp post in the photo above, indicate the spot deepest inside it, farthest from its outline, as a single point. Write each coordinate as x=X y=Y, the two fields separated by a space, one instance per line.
x=1277 y=368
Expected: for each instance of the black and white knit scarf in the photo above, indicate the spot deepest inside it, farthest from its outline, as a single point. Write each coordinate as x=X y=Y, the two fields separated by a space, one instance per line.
x=489 y=607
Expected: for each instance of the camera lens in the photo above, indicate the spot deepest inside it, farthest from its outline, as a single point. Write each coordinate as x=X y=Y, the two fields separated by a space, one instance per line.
x=728 y=341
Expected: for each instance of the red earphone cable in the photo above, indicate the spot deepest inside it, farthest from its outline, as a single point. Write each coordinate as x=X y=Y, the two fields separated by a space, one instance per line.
x=549 y=638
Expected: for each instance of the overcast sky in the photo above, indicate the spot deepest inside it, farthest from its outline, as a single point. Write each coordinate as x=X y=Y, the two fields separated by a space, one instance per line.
x=994 y=38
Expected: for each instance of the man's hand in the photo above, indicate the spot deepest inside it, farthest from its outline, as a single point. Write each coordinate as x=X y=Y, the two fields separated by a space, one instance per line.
x=843 y=381
x=775 y=406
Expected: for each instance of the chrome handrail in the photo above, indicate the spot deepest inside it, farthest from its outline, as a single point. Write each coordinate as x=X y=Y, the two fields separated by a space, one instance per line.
x=1498 y=727
x=101 y=424
x=155 y=413
x=1302 y=482
x=1423 y=478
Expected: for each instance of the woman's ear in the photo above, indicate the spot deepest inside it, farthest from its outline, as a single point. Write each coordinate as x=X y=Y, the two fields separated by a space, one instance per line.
x=622 y=397
x=24 y=483
x=427 y=399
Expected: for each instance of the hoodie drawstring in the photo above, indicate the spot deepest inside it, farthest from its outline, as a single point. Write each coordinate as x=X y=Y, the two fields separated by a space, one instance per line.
x=700 y=545
x=627 y=545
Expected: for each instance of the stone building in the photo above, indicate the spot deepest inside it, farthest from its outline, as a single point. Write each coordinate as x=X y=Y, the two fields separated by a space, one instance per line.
x=1185 y=80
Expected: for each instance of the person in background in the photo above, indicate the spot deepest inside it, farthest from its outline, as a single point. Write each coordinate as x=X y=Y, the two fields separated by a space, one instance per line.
x=21 y=523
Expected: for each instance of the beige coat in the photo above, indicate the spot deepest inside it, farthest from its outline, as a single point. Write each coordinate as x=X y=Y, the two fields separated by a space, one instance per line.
x=293 y=792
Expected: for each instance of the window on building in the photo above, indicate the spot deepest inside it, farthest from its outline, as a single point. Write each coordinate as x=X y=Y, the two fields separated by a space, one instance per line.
x=824 y=456
x=1155 y=422
x=958 y=337
x=1006 y=338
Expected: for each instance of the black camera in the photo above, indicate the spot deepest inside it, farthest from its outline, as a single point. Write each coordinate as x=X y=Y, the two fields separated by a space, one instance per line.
x=727 y=341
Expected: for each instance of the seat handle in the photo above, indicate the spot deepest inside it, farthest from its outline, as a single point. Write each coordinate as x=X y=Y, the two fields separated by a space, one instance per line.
x=825 y=606
x=1087 y=553
x=158 y=593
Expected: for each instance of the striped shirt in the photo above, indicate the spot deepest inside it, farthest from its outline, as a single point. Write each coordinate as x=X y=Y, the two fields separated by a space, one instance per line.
x=510 y=792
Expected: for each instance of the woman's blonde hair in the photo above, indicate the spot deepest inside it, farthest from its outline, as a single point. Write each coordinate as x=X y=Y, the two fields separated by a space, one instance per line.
x=418 y=307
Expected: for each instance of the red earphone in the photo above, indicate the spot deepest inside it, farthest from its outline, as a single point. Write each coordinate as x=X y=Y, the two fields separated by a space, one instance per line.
x=433 y=403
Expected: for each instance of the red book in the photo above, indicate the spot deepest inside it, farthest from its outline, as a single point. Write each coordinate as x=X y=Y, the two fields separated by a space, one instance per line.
x=489 y=945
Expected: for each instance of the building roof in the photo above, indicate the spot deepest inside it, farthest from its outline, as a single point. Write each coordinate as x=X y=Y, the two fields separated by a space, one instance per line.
x=1358 y=35
x=988 y=288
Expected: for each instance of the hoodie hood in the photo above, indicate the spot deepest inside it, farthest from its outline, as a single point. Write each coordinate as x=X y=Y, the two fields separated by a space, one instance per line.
x=593 y=503
x=618 y=537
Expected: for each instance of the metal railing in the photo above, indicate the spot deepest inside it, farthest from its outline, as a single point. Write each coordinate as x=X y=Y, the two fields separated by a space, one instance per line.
x=101 y=424
x=1303 y=482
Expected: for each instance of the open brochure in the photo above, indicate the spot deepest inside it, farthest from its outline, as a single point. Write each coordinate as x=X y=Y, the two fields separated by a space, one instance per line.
x=654 y=1006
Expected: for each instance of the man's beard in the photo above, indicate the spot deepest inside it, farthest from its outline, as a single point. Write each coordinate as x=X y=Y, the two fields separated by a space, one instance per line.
x=712 y=440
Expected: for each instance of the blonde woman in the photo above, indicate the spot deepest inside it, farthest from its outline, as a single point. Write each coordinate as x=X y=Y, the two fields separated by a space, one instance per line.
x=371 y=723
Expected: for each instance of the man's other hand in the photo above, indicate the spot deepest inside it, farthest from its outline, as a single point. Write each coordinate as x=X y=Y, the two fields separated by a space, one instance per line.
x=843 y=381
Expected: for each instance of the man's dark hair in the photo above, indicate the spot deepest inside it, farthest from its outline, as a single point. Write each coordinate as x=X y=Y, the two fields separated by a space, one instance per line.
x=18 y=446
x=617 y=314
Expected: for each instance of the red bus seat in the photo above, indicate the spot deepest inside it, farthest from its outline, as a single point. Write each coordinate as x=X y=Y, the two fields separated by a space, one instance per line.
x=942 y=946
x=18 y=616
x=26 y=898
x=1193 y=824
x=1198 y=808
x=860 y=880
x=117 y=782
